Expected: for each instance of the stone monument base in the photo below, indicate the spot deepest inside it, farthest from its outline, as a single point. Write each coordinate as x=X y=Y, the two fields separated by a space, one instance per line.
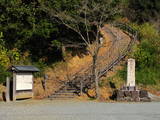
x=131 y=94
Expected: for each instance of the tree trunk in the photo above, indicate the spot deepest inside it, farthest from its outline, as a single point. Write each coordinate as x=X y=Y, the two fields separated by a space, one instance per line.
x=97 y=86
x=95 y=75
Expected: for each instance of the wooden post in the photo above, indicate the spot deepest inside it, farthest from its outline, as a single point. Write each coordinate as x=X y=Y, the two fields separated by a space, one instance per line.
x=44 y=82
x=14 y=86
x=81 y=87
x=8 y=89
x=63 y=53
x=32 y=86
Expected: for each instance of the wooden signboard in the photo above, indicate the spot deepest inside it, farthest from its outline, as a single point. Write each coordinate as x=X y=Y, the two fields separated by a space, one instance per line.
x=23 y=81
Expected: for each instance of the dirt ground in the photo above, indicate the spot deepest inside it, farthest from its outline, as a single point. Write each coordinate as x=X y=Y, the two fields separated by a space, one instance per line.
x=78 y=110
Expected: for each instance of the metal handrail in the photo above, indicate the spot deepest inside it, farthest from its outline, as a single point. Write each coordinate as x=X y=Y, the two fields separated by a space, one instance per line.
x=127 y=29
x=131 y=32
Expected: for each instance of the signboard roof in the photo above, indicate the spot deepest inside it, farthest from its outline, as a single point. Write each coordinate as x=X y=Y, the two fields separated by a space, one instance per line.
x=25 y=69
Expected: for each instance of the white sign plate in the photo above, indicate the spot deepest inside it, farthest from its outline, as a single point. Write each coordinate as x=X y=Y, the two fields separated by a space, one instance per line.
x=24 y=81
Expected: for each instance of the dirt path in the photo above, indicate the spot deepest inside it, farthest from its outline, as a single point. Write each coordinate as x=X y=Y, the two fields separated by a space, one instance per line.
x=78 y=110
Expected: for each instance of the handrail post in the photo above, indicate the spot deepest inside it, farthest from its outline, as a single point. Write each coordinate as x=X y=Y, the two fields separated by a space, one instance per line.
x=44 y=82
x=81 y=87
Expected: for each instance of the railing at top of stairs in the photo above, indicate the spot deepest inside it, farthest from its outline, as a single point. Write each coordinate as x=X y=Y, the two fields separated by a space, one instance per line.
x=133 y=34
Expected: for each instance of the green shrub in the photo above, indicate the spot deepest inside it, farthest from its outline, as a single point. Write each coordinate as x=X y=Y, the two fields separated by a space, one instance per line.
x=102 y=83
x=123 y=73
x=146 y=54
x=7 y=58
x=147 y=76
x=148 y=31
x=3 y=74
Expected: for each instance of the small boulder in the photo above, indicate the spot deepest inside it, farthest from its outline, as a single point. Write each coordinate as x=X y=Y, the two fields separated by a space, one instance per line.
x=145 y=99
x=143 y=93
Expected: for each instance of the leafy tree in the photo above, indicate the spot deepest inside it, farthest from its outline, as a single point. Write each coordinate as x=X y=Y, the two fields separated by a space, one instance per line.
x=143 y=10
x=4 y=60
x=26 y=27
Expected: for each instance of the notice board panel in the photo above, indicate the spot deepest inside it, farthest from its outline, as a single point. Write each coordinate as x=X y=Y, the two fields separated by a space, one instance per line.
x=24 y=81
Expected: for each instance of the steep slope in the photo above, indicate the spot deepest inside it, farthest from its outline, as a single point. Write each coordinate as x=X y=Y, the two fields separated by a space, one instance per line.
x=77 y=69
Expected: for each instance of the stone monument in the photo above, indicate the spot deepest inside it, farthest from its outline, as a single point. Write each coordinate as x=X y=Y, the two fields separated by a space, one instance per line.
x=129 y=92
x=131 y=73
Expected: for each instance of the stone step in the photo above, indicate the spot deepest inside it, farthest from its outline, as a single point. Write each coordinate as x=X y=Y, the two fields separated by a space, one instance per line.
x=68 y=88
x=64 y=91
x=61 y=96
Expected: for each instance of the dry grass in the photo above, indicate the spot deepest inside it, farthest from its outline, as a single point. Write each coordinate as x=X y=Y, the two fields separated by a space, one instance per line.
x=2 y=88
x=64 y=71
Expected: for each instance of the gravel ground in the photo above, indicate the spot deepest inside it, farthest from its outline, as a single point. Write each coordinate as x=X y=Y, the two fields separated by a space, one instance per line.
x=78 y=110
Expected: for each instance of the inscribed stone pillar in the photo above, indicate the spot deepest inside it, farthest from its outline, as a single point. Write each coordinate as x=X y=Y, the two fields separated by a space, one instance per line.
x=131 y=73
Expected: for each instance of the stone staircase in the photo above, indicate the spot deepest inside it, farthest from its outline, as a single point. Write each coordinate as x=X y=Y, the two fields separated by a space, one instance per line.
x=82 y=81
x=67 y=91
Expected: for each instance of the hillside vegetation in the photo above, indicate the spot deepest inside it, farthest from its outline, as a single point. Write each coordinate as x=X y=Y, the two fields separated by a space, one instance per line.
x=33 y=32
